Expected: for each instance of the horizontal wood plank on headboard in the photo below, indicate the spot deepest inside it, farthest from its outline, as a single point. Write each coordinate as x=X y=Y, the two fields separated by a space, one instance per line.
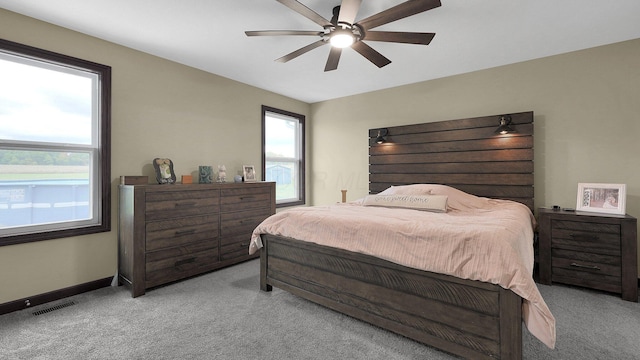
x=466 y=154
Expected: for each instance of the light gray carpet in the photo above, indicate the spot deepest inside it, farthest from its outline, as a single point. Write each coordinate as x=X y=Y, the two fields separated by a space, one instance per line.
x=224 y=315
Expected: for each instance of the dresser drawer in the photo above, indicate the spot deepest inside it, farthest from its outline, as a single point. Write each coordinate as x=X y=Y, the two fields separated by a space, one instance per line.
x=176 y=263
x=241 y=223
x=235 y=232
x=169 y=204
x=178 y=231
x=238 y=250
x=245 y=198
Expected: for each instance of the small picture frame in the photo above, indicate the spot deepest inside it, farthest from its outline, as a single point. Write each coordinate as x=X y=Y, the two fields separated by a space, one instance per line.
x=602 y=198
x=249 y=173
x=164 y=171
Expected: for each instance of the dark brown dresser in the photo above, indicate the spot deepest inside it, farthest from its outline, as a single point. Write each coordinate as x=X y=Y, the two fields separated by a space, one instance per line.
x=172 y=232
x=590 y=250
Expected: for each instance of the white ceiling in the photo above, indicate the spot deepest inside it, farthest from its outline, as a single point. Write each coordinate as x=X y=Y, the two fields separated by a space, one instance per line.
x=470 y=35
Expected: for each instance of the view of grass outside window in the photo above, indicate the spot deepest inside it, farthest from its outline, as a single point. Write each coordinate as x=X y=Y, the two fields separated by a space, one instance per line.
x=43 y=187
x=284 y=155
x=50 y=146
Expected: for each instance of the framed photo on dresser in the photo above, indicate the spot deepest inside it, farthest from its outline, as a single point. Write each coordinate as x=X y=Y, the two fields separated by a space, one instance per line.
x=602 y=198
x=249 y=173
x=164 y=171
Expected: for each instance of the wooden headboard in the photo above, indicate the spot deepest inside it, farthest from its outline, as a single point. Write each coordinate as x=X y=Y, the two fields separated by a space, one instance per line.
x=466 y=154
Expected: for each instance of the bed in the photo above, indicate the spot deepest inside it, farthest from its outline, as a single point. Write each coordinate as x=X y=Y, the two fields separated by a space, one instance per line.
x=457 y=309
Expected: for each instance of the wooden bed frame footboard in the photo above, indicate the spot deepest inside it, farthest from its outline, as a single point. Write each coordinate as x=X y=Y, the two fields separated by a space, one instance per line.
x=471 y=319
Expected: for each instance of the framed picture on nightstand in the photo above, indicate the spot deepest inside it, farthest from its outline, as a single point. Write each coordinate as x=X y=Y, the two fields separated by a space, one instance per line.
x=602 y=198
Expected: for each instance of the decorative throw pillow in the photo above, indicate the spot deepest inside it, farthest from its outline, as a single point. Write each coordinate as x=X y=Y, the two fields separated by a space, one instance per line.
x=457 y=199
x=435 y=203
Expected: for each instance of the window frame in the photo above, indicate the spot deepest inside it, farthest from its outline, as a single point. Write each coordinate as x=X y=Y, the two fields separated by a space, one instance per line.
x=302 y=161
x=103 y=180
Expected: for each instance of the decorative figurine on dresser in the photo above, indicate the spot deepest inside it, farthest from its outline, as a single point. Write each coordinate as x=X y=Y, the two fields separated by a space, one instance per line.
x=169 y=233
x=593 y=250
x=222 y=173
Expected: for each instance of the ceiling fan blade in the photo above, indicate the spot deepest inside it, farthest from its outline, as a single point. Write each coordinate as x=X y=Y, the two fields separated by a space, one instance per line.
x=400 y=37
x=398 y=12
x=283 y=32
x=334 y=57
x=375 y=57
x=301 y=51
x=305 y=11
x=348 y=11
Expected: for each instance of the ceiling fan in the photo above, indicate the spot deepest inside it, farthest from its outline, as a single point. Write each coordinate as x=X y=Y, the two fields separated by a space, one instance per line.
x=342 y=31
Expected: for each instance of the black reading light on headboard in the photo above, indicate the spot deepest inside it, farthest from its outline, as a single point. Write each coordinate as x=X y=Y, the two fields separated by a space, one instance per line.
x=381 y=138
x=505 y=128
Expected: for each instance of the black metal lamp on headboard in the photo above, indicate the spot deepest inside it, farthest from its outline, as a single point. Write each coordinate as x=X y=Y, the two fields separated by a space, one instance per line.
x=505 y=125
x=381 y=138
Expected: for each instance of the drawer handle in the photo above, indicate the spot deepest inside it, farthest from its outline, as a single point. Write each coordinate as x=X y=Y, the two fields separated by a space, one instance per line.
x=184 y=261
x=185 y=204
x=243 y=245
x=185 y=232
x=247 y=197
x=592 y=267
x=584 y=237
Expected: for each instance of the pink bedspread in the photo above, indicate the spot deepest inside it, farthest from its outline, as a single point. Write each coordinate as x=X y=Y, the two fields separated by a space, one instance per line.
x=477 y=238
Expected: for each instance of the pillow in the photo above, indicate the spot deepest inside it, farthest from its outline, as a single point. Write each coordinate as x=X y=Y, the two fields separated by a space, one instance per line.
x=435 y=203
x=420 y=189
x=457 y=199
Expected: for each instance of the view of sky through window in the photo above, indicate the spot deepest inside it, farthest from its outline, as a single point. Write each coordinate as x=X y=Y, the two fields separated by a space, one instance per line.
x=281 y=137
x=38 y=104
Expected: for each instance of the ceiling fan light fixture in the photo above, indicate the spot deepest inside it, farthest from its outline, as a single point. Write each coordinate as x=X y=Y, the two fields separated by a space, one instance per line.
x=342 y=38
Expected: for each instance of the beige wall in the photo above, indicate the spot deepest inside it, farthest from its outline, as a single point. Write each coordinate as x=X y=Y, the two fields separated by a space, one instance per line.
x=586 y=117
x=159 y=109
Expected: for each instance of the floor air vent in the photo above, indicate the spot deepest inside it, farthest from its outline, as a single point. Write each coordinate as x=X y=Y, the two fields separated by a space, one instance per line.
x=54 y=308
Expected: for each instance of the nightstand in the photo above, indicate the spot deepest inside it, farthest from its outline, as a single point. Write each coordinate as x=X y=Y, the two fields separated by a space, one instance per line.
x=597 y=251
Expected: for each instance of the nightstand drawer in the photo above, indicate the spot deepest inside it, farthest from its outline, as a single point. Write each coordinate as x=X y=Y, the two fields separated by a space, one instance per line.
x=584 y=256
x=588 y=280
x=600 y=242
x=594 y=244
x=586 y=262
x=586 y=227
x=597 y=271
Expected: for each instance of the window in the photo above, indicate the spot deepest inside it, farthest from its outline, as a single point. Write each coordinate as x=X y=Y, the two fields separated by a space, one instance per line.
x=54 y=145
x=283 y=154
